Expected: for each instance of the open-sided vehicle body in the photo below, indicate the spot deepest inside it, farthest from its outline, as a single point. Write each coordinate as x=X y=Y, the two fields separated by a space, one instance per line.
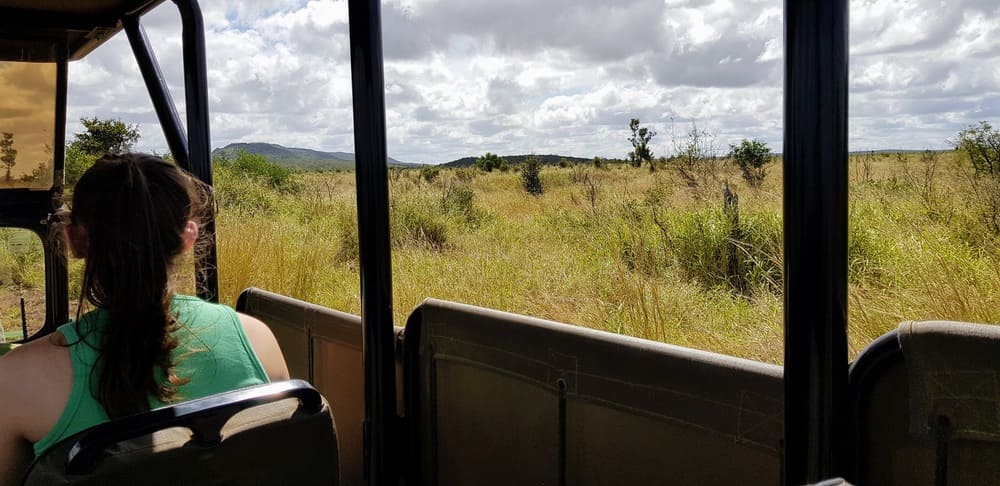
x=465 y=395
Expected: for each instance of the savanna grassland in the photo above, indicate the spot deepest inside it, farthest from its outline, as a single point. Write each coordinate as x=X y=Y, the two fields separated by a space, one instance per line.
x=623 y=249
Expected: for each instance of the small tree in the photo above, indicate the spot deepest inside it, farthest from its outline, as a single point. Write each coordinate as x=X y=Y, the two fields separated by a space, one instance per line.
x=640 y=145
x=696 y=158
x=982 y=145
x=8 y=155
x=529 y=176
x=105 y=136
x=100 y=137
x=489 y=161
x=752 y=156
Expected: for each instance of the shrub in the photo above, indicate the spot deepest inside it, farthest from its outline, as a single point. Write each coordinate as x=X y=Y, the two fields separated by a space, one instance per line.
x=459 y=200
x=413 y=222
x=751 y=156
x=489 y=161
x=76 y=163
x=696 y=158
x=430 y=172
x=258 y=167
x=700 y=243
x=981 y=144
x=529 y=176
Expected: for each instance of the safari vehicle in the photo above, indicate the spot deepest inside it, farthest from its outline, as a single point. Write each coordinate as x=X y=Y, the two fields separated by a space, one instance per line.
x=466 y=395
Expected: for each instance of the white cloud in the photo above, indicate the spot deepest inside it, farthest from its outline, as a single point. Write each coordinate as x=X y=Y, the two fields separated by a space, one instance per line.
x=562 y=76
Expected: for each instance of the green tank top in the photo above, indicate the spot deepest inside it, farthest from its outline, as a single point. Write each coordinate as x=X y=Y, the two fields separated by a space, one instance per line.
x=213 y=352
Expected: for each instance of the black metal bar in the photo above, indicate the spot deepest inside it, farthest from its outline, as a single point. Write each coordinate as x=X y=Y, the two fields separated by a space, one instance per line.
x=815 y=214
x=24 y=321
x=56 y=273
x=373 y=237
x=159 y=93
x=199 y=140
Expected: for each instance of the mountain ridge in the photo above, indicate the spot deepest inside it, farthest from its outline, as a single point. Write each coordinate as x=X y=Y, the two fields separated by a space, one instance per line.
x=299 y=158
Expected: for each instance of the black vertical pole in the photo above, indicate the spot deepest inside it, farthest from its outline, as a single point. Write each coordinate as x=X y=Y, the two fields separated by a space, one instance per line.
x=373 y=238
x=199 y=146
x=163 y=103
x=56 y=273
x=815 y=207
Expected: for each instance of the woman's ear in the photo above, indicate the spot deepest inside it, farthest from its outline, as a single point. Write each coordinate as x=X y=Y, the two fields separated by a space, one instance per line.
x=190 y=234
x=76 y=235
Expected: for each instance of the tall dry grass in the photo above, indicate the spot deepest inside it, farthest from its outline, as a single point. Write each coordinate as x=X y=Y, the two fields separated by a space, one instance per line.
x=620 y=249
x=627 y=250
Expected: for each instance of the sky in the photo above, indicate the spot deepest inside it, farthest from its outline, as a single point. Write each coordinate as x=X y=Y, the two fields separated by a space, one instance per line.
x=561 y=76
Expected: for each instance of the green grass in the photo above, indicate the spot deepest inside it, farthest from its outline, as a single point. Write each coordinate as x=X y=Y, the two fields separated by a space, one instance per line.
x=618 y=249
x=624 y=250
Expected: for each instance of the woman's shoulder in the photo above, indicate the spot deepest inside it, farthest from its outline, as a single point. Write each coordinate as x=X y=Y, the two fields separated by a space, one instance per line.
x=191 y=308
x=42 y=361
x=26 y=356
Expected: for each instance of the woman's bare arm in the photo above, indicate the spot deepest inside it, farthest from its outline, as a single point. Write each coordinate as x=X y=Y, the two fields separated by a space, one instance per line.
x=266 y=347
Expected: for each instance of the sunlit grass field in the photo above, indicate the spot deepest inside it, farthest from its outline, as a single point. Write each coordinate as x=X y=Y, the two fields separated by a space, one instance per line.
x=622 y=249
x=616 y=248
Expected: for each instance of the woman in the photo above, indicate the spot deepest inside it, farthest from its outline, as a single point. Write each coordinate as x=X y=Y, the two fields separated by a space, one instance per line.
x=141 y=346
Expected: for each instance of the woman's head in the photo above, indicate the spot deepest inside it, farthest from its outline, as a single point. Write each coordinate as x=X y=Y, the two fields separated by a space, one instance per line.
x=132 y=216
x=132 y=205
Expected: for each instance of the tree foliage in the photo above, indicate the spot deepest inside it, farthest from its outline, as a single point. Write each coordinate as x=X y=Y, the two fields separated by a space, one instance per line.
x=100 y=137
x=105 y=137
x=489 y=161
x=529 y=176
x=752 y=157
x=8 y=155
x=981 y=143
x=77 y=162
x=258 y=167
x=640 y=144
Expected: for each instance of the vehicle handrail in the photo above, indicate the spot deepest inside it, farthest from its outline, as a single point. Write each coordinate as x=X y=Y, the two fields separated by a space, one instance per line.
x=205 y=418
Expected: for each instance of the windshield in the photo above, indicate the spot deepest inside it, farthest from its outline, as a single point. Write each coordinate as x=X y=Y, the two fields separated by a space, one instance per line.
x=27 y=122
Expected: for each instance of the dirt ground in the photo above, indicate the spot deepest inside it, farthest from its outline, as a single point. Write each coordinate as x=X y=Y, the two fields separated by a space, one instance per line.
x=10 y=311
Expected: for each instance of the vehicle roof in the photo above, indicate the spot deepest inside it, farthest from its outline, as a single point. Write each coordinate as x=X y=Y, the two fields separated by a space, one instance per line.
x=33 y=30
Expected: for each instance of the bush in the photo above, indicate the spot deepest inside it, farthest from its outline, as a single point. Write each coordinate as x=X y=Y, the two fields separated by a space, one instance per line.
x=489 y=161
x=413 y=222
x=751 y=156
x=459 y=200
x=240 y=192
x=529 y=176
x=430 y=172
x=258 y=167
x=981 y=144
x=700 y=244
x=77 y=162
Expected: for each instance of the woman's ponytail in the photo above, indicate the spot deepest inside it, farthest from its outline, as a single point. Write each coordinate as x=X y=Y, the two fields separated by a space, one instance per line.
x=134 y=209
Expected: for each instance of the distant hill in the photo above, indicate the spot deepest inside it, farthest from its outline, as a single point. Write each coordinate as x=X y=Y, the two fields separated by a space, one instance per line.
x=517 y=159
x=300 y=158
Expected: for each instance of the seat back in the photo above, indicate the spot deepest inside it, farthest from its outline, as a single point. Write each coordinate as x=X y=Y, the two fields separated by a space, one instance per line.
x=322 y=346
x=927 y=406
x=506 y=399
x=283 y=431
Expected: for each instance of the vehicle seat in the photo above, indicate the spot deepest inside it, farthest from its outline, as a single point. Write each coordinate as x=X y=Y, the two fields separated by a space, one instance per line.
x=277 y=433
x=927 y=400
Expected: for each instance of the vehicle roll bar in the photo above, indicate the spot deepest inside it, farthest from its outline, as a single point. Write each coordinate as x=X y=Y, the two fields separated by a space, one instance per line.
x=382 y=428
x=815 y=239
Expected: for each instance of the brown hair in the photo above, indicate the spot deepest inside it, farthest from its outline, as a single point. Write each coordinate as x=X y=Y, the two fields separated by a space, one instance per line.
x=134 y=209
